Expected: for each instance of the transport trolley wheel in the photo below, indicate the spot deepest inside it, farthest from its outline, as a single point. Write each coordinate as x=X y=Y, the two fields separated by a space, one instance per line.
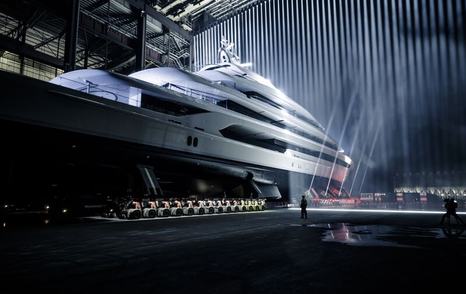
x=244 y=208
x=135 y=214
x=190 y=211
x=201 y=211
x=152 y=213
x=251 y=208
x=220 y=209
x=258 y=208
x=228 y=209
x=236 y=208
x=164 y=212
x=211 y=210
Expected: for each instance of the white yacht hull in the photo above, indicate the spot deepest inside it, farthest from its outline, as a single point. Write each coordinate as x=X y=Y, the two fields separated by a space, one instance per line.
x=151 y=139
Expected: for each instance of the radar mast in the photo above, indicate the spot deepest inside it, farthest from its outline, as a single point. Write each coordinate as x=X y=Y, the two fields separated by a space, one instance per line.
x=226 y=54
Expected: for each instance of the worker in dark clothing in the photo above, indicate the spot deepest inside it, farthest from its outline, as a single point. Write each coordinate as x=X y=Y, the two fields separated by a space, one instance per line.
x=450 y=206
x=303 y=207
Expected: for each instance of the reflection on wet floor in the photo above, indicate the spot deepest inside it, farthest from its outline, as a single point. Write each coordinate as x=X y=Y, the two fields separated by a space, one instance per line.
x=383 y=235
x=454 y=231
x=368 y=235
x=28 y=222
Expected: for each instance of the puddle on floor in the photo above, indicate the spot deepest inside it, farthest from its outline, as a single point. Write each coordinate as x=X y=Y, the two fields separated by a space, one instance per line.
x=367 y=235
x=452 y=232
x=382 y=235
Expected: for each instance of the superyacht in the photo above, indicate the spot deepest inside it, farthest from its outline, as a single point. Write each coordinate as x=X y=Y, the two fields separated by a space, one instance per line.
x=222 y=130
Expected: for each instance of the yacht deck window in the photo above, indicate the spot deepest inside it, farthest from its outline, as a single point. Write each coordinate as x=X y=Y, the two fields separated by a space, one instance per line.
x=264 y=99
x=228 y=104
x=168 y=107
x=277 y=145
x=198 y=94
x=259 y=97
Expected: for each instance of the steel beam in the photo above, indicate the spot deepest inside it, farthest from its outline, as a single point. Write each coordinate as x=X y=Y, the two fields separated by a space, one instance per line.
x=23 y=41
x=71 y=40
x=96 y=5
x=141 y=41
x=17 y=47
x=48 y=40
x=165 y=21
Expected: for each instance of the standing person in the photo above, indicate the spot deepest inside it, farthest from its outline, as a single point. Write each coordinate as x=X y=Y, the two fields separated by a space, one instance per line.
x=303 y=207
x=450 y=206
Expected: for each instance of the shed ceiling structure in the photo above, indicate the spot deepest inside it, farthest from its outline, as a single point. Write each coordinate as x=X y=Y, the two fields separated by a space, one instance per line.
x=34 y=33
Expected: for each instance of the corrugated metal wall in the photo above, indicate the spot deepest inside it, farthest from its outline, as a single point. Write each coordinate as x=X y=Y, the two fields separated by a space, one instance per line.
x=386 y=78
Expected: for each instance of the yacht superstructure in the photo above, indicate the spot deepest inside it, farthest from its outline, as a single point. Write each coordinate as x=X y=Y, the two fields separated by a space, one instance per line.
x=221 y=128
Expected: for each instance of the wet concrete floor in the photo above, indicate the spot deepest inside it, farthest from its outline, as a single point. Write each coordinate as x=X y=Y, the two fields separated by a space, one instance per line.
x=264 y=252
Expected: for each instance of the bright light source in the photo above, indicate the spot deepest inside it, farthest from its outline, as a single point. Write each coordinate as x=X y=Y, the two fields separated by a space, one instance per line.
x=65 y=210
x=47 y=207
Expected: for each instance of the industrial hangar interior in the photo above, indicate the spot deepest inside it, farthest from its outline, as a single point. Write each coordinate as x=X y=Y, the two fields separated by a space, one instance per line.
x=263 y=146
